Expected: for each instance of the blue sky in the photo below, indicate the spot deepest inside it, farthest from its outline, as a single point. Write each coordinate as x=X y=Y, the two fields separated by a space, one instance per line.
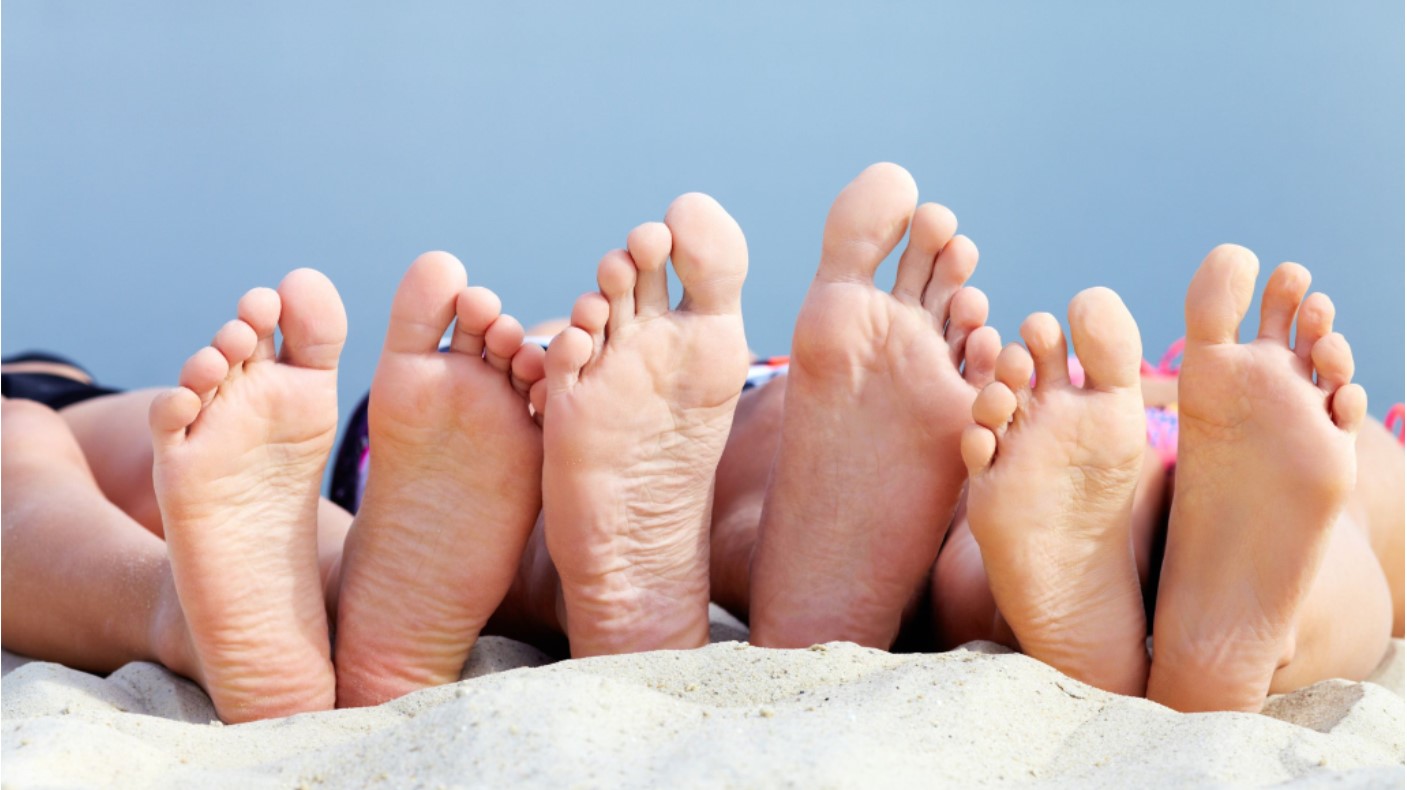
x=161 y=158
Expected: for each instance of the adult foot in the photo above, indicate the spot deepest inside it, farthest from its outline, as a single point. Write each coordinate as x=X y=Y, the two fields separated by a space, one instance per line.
x=637 y=404
x=453 y=489
x=1052 y=470
x=1265 y=463
x=239 y=452
x=869 y=470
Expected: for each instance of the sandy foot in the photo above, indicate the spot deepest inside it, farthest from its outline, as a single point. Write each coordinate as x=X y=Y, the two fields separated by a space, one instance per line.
x=1265 y=464
x=239 y=451
x=869 y=470
x=453 y=490
x=637 y=405
x=1052 y=472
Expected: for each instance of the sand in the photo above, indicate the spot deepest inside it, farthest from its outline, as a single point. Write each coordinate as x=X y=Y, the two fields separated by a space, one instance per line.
x=728 y=715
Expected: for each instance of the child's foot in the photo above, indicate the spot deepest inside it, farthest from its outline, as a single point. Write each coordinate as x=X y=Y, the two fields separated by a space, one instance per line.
x=1052 y=472
x=1265 y=463
x=239 y=450
x=453 y=490
x=637 y=404
x=869 y=470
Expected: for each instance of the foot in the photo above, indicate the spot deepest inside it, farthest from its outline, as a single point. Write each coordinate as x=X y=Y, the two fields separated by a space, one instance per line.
x=1052 y=470
x=1265 y=464
x=239 y=452
x=453 y=489
x=637 y=404
x=869 y=470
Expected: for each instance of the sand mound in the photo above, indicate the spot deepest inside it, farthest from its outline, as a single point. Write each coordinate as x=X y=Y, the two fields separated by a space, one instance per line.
x=727 y=714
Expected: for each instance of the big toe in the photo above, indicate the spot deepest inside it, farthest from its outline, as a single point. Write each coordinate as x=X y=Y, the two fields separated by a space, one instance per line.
x=866 y=222
x=1220 y=294
x=425 y=302
x=1106 y=339
x=313 y=321
x=709 y=254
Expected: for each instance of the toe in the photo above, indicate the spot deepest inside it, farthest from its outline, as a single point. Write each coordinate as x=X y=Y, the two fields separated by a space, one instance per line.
x=955 y=265
x=590 y=314
x=994 y=406
x=933 y=227
x=425 y=303
x=527 y=367
x=649 y=246
x=979 y=446
x=1283 y=294
x=1106 y=339
x=968 y=313
x=1349 y=407
x=236 y=340
x=1333 y=362
x=1316 y=319
x=570 y=351
x=1014 y=367
x=260 y=309
x=475 y=310
x=979 y=363
x=709 y=254
x=171 y=413
x=1046 y=342
x=203 y=373
x=313 y=322
x=616 y=276
x=1220 y=294
x=866 y=222
x=502 y=340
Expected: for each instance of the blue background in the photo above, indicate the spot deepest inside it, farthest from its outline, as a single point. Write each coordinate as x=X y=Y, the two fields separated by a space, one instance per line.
x=162 y=158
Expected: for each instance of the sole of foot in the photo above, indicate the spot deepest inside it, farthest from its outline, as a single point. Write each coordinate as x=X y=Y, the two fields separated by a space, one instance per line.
x=880 y=387
x=239 y=452
x=1266 y=462
x=453 y=490
x=1052 y=472
x=637 y=404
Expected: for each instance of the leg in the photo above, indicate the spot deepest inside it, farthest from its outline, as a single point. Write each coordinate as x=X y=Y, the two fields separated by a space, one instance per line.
x=1377 y=506
x=84 y=584
x=868 y=471
x=1254 y=562
x=636 y=407
x=453 y=490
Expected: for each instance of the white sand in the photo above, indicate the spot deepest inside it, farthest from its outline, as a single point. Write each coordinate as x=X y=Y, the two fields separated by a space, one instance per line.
x=729 y=714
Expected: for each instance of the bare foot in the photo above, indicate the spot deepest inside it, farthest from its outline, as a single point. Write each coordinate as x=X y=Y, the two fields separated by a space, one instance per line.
x=239 y=452
x=453 y=490
x=1265 y=464
x=869 y=470
x=1052 y=471
x=637 y=404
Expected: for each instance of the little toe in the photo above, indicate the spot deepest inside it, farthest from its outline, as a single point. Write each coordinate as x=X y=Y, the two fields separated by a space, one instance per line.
x=709 y=254
x=1281 y=300
x=1316 y=319
x=475 y=310
x=979 y=447
x=313 y=322
x=979 y=363
x=203 y=372
x=1333 y=362
x=932 y=228
x=590 y=314
x=571 y=349
x=236 y=340
x=1349 y=406
x=1106 y=339
x=866 y=222
x=502 y=340
x=425 y=303
x=616 y=275
x=1046 y=342
x=260 y=309
x=1220 y=295
x=526 y=367
x=994 y=407
x=1015 y=367
x=968 y=313
x=954 y=266
x=649 y=246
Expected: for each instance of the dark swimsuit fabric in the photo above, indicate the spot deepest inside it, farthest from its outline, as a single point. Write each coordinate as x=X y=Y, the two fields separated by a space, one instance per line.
x=49 y=389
